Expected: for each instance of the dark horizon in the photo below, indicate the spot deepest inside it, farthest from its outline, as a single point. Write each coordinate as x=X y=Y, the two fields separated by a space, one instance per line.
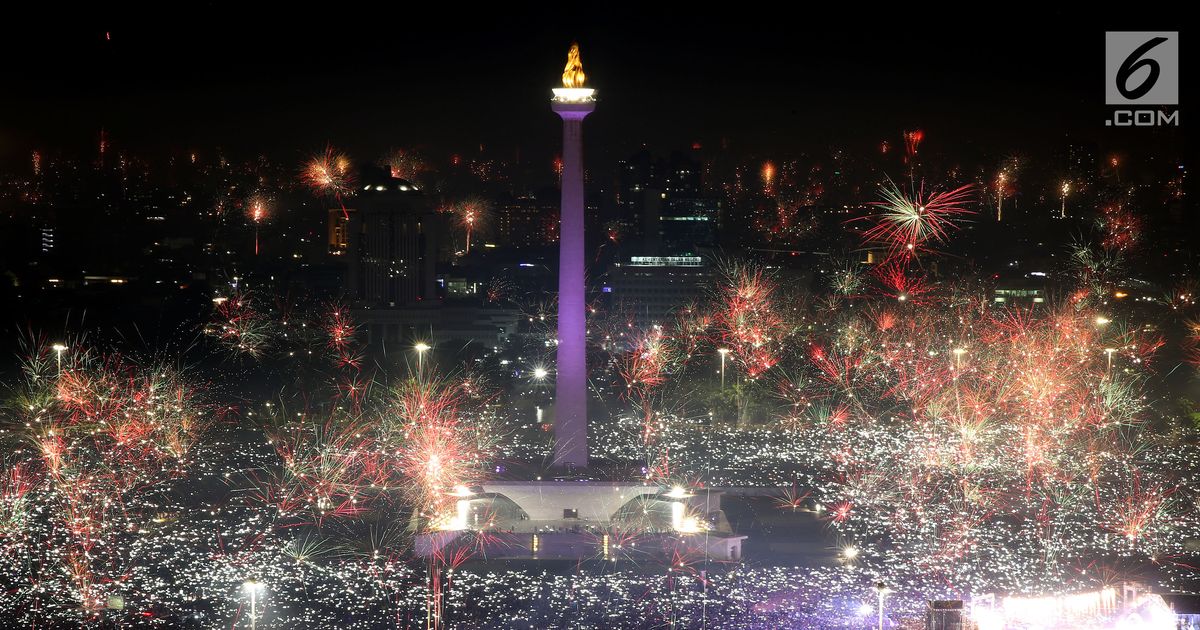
x=391 y=79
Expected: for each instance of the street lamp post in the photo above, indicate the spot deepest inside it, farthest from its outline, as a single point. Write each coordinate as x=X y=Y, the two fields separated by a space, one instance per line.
x=421 y=347
x=958 y=352
x=59 y=349
x=724 y=352
x=881 y=589
x=253 y=587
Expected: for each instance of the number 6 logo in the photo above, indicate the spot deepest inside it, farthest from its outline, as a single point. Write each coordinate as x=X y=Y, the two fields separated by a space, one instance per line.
x=1141 y=68
x=1134 y=62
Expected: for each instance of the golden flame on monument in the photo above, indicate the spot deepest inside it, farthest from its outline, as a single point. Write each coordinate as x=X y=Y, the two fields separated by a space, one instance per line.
x=573 y=76
x=572 y=94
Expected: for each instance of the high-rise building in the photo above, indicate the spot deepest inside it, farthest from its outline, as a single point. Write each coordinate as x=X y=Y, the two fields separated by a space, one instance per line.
x=681 y=177
x=391 y=238
x=689 y=224
x=525 y=222
x=337 y=232
x=391 y=245
x=639 y=180
x=648 y=289
x=663 y=207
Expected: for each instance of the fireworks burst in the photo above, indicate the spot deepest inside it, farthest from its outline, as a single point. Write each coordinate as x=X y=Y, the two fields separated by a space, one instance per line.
x=899 y=282
x=258 y=210
x=471 y=215
x=747 y=321
x=239 y=326
x=769 y=174
x=1005 y=183
x=1192 y=342
x=1095 y=269
x=500 y=289
x=912 y=142
x=404 y=164
x=1021 y=426
x=1122 y=229
x=439 y=454
x=847 y=278
x=909 y=222
x=341 y=331
x=95 y=438
x=642 y=370
x=330 y=174
x=331 y=468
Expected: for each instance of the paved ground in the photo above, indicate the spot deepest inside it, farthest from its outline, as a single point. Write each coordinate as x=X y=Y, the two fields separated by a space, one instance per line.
x=780 y=536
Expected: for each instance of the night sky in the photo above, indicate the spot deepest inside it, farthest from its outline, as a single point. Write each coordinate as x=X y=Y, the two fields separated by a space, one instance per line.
x=285 y=81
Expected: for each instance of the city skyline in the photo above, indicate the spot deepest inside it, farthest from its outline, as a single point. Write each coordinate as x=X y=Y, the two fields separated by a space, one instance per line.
x=810 y=324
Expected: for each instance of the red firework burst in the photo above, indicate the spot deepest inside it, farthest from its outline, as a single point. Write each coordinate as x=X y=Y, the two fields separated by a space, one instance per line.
x=1122 y=229
x=748 y=321
x=907 y=222
x=330 y=174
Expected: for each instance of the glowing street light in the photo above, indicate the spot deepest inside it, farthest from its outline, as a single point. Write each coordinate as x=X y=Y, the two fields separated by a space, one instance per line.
x=724 y=353
x=59 y=349
x=421 y=347
x=882 y=590
x=678 y=492
x=253 y=587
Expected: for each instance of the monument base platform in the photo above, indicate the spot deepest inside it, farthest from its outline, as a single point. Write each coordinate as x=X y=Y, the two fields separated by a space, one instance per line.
x=585 y=519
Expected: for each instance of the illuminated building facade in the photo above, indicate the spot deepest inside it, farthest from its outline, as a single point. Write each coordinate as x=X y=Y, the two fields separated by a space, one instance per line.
x=525 y=222
x=647 y=289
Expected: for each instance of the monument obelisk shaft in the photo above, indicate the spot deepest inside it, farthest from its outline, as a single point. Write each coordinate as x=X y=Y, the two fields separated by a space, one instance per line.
x=573 y=103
